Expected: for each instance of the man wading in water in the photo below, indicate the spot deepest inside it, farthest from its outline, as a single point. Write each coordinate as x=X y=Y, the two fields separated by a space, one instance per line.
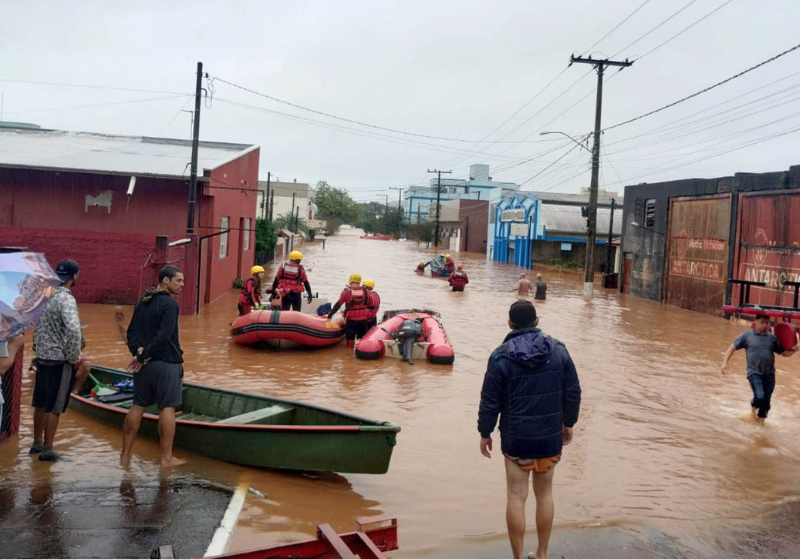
x=157 y=364
x=532 y=384
x=523 y=287
x=760 y=348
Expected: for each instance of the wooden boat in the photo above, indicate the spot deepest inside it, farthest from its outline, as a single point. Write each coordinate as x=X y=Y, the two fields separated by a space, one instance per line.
x=287 y=329
x=373 y=536
x=252 y=430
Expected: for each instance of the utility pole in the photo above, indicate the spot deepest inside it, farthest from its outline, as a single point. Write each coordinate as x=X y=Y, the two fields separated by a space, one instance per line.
x=609 y=265
x=438 y=197
x=591 y=237
x=195 y=145
x=419 y=210
x=266 y=197
x=291 y=214
x=399 y=196
x=386 y=207
x=297 y=219
x=271 y=205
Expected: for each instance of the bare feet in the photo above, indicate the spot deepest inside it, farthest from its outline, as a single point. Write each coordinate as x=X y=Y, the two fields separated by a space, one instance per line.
x=125 y=461
x=172 y=462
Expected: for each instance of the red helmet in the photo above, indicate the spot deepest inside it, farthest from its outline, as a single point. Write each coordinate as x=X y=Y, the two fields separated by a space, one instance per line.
x=459 y=265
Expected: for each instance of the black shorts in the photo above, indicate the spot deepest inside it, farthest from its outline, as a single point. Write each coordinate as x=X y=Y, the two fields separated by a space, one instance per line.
x=371 y=323
x=158 y=383
x=293 y=300
x=355 y=329
x=458 y=288
x=53 y=386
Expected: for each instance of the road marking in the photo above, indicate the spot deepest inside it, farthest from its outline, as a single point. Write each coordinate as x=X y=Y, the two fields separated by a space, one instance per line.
x=223 y=532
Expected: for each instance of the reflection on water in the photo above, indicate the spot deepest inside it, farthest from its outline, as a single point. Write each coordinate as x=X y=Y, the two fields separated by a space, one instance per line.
x=660 y=437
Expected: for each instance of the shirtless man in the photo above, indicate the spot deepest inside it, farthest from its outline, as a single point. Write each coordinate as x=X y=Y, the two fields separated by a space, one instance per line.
x=524 y=285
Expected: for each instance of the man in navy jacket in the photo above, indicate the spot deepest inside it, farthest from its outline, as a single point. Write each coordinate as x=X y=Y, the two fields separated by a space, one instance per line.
x=532 y=384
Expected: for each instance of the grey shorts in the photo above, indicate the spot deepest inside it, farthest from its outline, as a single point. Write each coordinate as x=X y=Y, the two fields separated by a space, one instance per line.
x=158 y=383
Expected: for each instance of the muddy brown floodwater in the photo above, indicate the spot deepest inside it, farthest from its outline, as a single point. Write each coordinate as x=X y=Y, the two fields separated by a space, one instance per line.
x=662 y=439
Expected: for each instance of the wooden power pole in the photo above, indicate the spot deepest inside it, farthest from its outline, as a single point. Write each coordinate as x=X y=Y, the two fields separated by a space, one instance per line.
x=438 y=196
x=591 y=234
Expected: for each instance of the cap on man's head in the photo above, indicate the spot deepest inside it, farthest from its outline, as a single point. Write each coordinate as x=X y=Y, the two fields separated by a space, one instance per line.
x=539 y=275
x=522 y=313
x=66 y=270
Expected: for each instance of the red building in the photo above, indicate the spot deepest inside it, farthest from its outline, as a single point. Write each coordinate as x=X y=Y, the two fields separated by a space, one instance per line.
x=118 y=205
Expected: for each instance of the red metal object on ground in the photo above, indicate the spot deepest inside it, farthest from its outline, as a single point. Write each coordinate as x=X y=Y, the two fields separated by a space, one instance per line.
x=373 y=536
x=697 y=253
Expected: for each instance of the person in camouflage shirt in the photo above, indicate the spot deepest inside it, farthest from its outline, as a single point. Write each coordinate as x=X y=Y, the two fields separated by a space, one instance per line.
x=57 y=343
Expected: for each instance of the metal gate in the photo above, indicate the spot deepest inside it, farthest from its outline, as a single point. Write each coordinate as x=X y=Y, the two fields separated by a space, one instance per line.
x=768 y=245
x=698 y=253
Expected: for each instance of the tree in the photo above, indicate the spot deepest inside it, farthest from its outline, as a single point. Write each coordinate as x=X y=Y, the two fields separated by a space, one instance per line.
x=292 y=223
x=266 y=238
x=335 y=203
x=423 y=231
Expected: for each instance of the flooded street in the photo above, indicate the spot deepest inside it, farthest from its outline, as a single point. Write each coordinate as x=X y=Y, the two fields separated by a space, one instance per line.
x=663 y=438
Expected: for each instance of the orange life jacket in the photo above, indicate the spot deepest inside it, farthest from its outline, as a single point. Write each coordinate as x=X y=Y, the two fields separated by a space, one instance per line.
x=290 y=277
x=459 y=279
x=358 y=307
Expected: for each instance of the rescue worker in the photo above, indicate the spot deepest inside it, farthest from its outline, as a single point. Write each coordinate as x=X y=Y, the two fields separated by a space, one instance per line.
x=421 y=267
x=449 y=265
x=458 y=279
x=356 y=301
x=250 y=296
x=373 y=303
x=290 y=280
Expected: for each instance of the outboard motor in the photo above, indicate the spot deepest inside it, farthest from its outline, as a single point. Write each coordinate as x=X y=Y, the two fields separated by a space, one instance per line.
x=408 y=333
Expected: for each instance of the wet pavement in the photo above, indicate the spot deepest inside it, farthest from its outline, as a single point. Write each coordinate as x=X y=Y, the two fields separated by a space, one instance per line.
x=48 y=518
x=663 y=447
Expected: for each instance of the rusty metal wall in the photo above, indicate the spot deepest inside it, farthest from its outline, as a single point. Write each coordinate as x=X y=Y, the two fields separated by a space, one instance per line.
x=698 y=250
x=768 y=245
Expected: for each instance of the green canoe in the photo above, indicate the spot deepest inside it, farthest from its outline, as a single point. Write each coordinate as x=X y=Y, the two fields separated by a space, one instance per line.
x=256 y=431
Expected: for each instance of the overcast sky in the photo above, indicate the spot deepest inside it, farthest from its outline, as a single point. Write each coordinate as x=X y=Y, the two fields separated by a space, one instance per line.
x=451 y=69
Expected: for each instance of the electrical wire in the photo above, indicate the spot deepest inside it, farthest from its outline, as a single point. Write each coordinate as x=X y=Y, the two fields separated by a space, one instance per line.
x=616 y=27
x=86 y=86
x=705 y=90
x=92 y=106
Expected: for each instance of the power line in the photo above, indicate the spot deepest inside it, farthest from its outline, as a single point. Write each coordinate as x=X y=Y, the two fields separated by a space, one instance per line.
x=616 y=27
x=351 y=121
x=87 y=86
x=94 y=105
x=549 y=166
x=702 y=91
x=625 y=48
x=685 y=29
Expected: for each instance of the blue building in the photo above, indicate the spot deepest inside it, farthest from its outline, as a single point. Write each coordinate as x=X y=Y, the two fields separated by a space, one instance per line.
x=526 y=227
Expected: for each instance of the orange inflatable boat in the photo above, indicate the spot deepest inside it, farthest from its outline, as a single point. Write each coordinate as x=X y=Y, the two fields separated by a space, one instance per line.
x=286 y=329
x=408 y=335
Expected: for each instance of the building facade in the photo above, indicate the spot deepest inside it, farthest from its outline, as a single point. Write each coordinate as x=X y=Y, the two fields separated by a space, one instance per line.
x=118 y=205
x=533 y=227
x=684 y=240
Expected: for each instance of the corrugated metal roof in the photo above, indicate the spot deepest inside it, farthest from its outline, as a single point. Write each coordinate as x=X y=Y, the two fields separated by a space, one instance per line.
x=105 y=153
x=545 y=196
x=567 y=219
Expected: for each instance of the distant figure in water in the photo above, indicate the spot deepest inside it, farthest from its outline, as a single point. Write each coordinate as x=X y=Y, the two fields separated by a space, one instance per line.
x=532 y=384
x=541 y=288
x=523 y=287
x=760 y=348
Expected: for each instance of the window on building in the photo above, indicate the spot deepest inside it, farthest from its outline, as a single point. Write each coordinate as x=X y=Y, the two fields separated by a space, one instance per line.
x=453 y=190
x=246 y=234
x=650 y=213
x=492 y=213
x=223 y=239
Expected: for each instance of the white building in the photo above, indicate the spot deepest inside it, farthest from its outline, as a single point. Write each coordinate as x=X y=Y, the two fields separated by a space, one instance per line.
x=287 y=198
x=479 y=186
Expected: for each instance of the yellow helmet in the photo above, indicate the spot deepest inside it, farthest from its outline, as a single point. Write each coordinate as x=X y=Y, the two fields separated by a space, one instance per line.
x=295 y=256
x=368 y=284
x=256 y=269
x=421 y=263
x=447 y=256
x=355 y=278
